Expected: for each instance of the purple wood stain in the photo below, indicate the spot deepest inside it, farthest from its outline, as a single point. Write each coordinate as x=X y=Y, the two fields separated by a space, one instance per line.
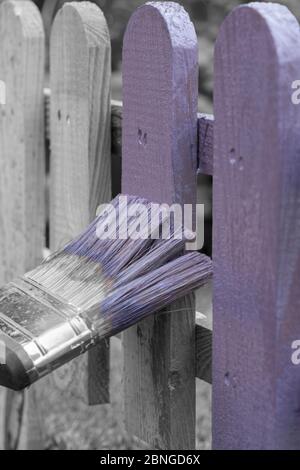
x=256 y=388
x=159 y=163
x=160 y=104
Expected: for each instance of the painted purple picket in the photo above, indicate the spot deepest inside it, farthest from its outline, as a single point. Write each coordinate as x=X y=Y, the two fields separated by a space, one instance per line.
x=256 y=251
x=159 y=163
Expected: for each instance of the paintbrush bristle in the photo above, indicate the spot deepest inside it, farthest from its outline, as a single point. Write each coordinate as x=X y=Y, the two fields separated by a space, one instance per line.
x=117 y=272
x=150 y=293
x=105 y=255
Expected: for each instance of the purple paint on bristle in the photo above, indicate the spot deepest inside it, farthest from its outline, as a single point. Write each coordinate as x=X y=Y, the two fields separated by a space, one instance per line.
x=150 y=293
x=131 y=216
x=110 y=252
x=160 y=253
x=113 y=284
x=85 y=276
x=89 y=236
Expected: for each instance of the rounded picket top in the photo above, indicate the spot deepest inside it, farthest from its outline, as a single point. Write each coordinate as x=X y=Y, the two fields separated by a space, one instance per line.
x=160 y=74
x=87 y=18
x=80 y=75
x=25 y=16
x=174 y=19
x=256 y=245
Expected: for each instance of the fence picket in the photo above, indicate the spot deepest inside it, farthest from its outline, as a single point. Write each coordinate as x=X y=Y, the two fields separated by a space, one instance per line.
x=256 y=248
x=22 y=178
x=160 y=102
x=80 y=157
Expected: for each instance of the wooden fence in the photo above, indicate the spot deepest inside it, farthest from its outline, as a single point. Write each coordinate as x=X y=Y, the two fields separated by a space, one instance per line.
x=254 y=142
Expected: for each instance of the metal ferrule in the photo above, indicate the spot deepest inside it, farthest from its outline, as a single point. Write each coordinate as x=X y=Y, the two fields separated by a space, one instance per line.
x=57 y=346
x=50 y=331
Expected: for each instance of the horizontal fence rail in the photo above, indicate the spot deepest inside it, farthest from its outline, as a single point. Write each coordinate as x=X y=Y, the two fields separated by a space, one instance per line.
x=204 y=143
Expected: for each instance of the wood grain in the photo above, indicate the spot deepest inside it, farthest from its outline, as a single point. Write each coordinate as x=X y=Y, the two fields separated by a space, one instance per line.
x=80 y=156
x=116 y=146
x=205 y=144
x=21 y=180
x=159 y=163
x=256 y=248
x=203 y=353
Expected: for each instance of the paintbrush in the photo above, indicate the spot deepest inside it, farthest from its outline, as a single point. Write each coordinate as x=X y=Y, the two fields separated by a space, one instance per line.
x=118 y=271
